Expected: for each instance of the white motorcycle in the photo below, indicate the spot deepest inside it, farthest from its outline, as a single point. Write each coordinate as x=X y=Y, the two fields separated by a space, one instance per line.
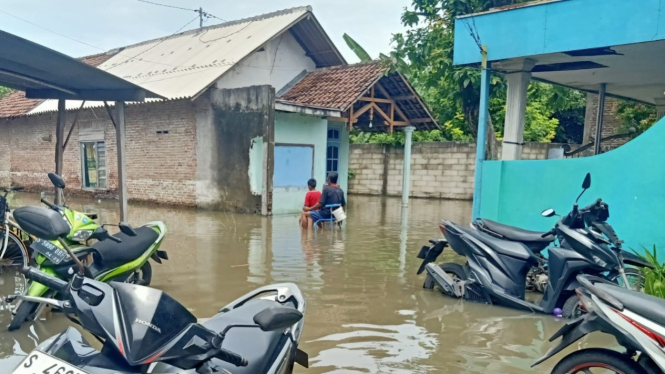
x=636 y=320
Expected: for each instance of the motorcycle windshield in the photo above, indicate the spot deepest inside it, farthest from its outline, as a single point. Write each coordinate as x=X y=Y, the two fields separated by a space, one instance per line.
x=150 y=319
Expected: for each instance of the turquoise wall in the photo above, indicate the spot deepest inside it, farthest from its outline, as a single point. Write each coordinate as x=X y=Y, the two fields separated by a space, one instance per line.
x=631 y=179
x=559 y=26
x=291 y=128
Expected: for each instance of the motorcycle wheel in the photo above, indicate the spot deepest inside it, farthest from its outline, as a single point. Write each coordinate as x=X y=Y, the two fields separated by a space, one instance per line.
x=142 y=276
x=608 y=360
x=23 y=313
x=635 y=278
x=456 y=271
x=571 y=308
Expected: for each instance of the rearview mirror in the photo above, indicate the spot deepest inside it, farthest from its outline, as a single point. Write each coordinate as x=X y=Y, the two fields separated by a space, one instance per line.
x=127 y=229
x=548 y=212
x=57 y=180
x=277 y=318
x=587 y=181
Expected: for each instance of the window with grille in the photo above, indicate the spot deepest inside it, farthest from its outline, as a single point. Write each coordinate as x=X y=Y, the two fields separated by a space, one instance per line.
x=332 y=151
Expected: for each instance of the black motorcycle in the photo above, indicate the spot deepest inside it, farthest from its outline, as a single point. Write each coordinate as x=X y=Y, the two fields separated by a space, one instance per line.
x=636 y=320
x=143 y=330
x=595 y=219
x=496 y=269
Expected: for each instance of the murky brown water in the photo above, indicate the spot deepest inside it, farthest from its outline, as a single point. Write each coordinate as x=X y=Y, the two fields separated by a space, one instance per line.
x=366 y=310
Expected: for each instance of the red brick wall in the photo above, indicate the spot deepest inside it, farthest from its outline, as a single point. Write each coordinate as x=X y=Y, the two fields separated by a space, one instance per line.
x=160 y=167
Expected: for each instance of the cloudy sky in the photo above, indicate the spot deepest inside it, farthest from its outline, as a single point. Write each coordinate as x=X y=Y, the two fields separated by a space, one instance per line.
x=107 y=24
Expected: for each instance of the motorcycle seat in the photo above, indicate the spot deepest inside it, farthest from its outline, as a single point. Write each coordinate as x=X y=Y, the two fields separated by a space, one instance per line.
x=515 y=233
x=650 y=307
x=505 y=247
x=258 y=347
x=109 y=254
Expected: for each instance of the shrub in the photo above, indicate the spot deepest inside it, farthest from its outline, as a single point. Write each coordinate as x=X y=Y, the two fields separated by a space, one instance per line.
x=654 y=279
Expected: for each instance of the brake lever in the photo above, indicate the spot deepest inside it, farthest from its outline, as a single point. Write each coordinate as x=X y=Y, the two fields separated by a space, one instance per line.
x=41 y=300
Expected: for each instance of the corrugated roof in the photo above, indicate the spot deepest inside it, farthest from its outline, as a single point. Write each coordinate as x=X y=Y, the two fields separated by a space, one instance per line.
x=16 y=104
x=340 y=87
x=186 y=64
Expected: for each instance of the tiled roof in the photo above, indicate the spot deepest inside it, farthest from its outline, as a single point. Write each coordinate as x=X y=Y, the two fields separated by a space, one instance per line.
x=337 y=87
x=16 y=104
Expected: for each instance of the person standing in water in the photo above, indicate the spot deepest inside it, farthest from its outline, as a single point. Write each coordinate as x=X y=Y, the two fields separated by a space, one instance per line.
x=311 y=199
x=330 y=195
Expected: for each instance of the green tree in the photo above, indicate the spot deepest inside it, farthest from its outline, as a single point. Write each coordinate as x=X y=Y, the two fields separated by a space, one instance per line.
x=635 y=116
x=453 y=92
x=4 y=91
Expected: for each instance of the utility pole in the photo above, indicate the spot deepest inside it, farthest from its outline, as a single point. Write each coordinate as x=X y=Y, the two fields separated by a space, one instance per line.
x=200 y=17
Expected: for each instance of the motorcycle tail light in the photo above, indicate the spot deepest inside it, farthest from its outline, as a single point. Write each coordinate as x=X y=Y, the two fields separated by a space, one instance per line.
x=648 y=332
x=443 y=229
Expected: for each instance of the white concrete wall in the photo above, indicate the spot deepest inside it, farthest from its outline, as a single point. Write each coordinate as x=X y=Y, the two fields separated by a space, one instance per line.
x=281 y=61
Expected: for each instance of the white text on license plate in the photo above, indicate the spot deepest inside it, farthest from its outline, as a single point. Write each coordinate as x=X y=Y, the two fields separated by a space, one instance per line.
x=40 y=363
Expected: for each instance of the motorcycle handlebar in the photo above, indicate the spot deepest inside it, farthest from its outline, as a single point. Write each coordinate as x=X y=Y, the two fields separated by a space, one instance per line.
x=40 y=277
x=232 y=358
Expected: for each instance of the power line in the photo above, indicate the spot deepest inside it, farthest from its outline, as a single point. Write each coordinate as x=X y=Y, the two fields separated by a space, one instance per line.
x=167 y=6
x=200 y=11
x=84 y=43
x=51 y=31
x=155 y=45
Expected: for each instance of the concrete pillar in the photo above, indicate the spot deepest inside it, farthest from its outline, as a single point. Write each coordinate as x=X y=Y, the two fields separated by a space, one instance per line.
x=599 y=119
x=513 y=133
x=59 y=141
x=660 y=107
x=483 y=116
x=122 y=163
x=406 y=171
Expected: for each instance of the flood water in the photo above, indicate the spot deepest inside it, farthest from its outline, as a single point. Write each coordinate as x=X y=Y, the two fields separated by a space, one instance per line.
x=366 y=309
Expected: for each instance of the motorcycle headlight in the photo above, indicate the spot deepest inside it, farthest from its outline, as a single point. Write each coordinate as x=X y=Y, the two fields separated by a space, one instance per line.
x=82 y=235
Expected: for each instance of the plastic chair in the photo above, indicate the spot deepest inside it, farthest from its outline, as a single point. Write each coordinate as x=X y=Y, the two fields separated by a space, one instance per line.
x=331 y=219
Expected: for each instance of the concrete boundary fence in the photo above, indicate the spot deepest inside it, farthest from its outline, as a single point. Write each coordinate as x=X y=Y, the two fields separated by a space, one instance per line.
x=442 y=170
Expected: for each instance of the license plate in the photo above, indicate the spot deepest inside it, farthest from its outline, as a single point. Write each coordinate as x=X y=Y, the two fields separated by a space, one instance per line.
x=50 y=251
x=40 y=363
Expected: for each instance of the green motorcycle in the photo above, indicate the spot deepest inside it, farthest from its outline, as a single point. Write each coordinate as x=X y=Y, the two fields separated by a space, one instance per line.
x=120 y=257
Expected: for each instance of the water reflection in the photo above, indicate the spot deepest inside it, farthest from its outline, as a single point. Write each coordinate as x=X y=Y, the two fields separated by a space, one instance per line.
x=366 y=309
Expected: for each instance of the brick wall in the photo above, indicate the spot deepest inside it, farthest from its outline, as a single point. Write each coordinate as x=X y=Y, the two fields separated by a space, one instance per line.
x=160 y=167
x=611 y=124
x=442 y=170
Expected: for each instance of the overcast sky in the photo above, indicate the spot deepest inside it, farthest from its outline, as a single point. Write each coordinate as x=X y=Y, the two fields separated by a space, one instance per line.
x=107 y=24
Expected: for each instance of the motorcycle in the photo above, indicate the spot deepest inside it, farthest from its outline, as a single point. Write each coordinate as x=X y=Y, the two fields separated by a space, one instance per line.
x=120 y=257
x=496 y=269
x=595 y=218
x=636 y=320
x=143 y=330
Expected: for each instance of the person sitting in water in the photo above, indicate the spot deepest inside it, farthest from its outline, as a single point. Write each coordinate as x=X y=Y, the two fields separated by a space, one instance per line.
x=311 y=198
x=331 y=194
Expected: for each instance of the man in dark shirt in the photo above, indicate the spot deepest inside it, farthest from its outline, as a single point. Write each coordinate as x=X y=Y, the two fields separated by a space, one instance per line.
x=330 y=195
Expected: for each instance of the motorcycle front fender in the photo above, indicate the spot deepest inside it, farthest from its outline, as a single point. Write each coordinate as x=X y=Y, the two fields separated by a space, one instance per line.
x=570 y=333
x=584 y=325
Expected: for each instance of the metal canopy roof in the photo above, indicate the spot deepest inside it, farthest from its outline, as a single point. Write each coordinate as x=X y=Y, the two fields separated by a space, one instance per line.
x=575 y=43
x=46 y=74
